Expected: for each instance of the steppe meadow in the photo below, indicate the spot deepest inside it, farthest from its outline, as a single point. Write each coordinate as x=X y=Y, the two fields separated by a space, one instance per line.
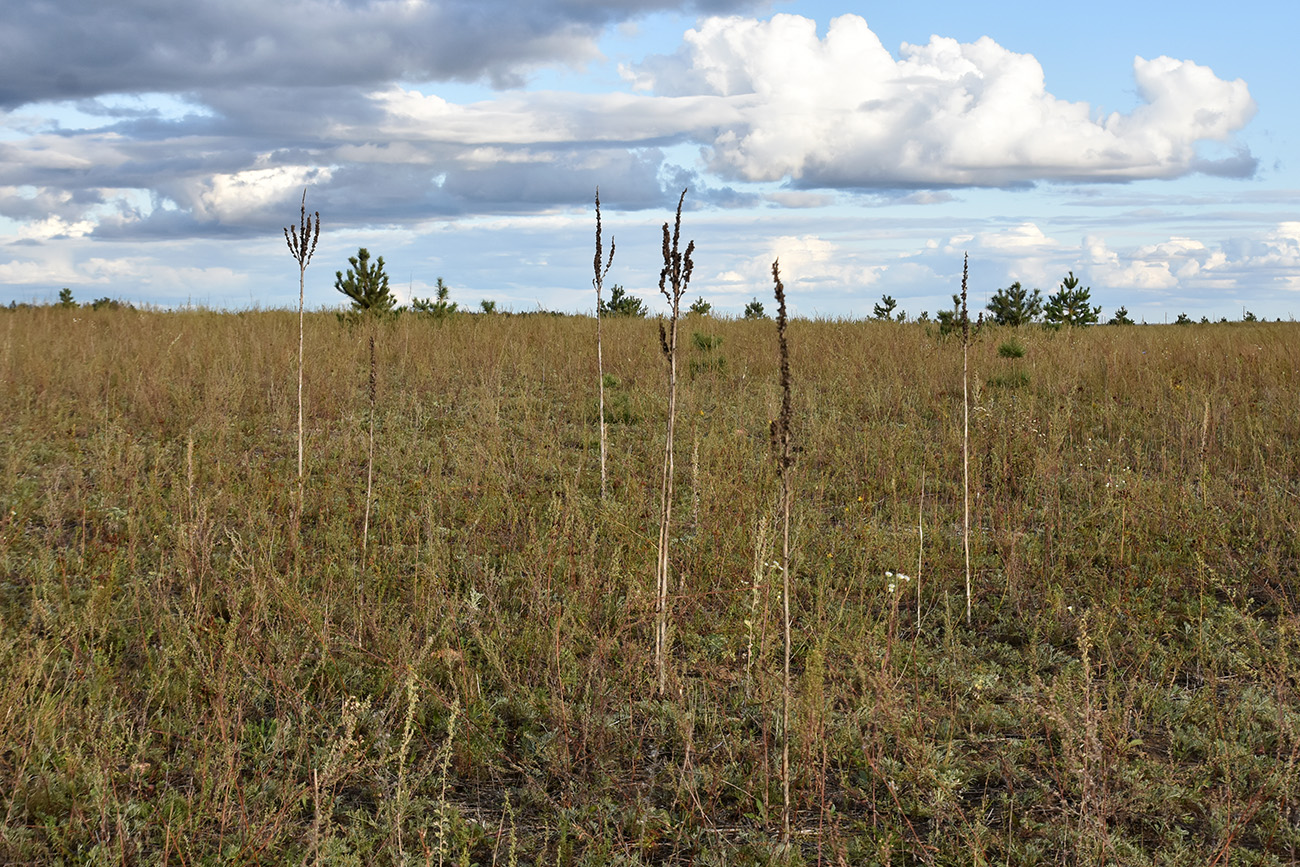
x=449 y=655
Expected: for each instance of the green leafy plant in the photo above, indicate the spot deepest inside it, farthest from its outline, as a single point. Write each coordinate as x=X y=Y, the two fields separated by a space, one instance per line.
x=1184 y=319
x=65 y=298
x=1070 y=306
x=366 y=284
x=754 y=310
x=1121 y=317
x=488 y=307
x=1015 y=305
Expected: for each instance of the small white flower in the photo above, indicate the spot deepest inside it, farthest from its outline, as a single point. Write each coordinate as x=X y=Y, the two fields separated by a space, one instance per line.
x=892 y=588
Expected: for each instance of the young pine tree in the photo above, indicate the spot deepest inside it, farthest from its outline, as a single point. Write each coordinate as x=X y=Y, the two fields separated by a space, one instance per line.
x=1015 y=305
x=1069 y=305
x=366 y=284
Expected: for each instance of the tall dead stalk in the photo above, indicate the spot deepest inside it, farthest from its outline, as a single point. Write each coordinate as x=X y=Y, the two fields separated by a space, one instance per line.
x=673 y=280
x=965 y=429
x=302 y=244
x=784 y=460
x=370 y=452
x=599 y=282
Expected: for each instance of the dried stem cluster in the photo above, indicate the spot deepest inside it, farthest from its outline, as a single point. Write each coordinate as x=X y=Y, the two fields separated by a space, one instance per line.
x=673 y=280
x=302 y=241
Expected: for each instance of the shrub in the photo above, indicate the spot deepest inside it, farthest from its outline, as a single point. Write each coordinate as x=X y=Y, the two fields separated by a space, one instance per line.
x=1011 y=349
x=1015 y=306
x=107 y=303
x=1121 y=317
x=439 y=308
x=754 y=310
x=885 y=309
x=700 y=307
x=950 y=320
x=1070 y=305
x=366 y=284
x=622 y=304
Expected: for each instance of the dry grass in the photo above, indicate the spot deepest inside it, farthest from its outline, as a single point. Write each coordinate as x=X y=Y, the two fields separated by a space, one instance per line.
x=171 y=693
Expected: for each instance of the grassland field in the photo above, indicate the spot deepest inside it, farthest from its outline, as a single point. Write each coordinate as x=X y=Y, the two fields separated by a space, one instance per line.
x=192 y=673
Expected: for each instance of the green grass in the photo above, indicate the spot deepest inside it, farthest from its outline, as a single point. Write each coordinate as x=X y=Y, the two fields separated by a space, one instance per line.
x=179 y=683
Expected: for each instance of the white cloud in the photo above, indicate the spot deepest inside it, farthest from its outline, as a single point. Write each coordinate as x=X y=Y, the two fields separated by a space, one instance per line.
x=234 y=197
x=1107 y=268
x=841 y=111
x=809 y=263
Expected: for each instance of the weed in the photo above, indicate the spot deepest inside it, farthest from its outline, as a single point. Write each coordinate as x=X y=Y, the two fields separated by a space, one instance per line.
x=673 y=280
x=302 y=240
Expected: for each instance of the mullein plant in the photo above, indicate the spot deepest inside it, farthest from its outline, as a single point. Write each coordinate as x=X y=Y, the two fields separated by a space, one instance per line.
x=370 y=450
x=673 y=280
x=599 y=282
x=302 y=241
x=784 y=461
x=965 y=430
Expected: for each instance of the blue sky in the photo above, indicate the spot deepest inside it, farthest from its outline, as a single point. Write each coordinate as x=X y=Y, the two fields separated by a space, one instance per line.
x=1147 y=147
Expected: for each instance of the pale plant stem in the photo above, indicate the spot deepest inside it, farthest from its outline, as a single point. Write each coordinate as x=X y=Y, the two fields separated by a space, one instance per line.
x=781 y=447
x=600 y=374
x=599 y=281
x=302 y=240
x=785 y=678
x=666 y=513
x=965 y=434
x=695 y=476
x=370 y=457
x=920 y=549
x=673 y=280
x=302 y=289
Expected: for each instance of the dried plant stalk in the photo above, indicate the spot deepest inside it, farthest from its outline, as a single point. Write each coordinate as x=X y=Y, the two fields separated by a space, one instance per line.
x=965 y=430
x=920 y=549
x=673 y=280
x=370 y=453
x=784 y=460
x=302 y=241
x=599 y=282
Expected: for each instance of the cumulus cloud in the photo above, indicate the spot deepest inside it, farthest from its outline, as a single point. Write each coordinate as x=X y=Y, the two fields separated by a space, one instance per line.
x=1265 y=264
x=809 y=264
x=840 y=111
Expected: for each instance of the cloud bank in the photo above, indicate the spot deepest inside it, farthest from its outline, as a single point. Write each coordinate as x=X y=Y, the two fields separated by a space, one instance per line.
x=840 y=111
x=85 y=48
x=273 y=97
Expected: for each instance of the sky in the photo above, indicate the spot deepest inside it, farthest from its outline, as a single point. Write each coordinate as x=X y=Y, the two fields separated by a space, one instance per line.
x=154 y=152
